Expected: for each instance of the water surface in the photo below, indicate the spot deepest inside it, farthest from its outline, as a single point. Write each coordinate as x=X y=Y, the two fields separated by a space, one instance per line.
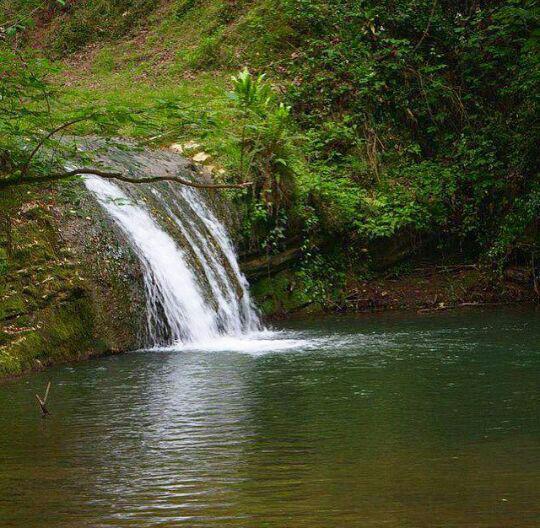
x=372 y=421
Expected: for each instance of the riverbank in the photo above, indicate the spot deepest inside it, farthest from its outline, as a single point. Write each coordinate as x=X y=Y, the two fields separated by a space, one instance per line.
x=430 y=287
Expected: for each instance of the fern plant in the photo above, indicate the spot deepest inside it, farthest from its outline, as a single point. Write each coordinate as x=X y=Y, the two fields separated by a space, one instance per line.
x=266 y=154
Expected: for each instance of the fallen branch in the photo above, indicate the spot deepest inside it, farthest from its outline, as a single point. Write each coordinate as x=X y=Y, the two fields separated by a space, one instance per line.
x=43 y=402
x=446 y=269
x=9 y=182
x=25 y=178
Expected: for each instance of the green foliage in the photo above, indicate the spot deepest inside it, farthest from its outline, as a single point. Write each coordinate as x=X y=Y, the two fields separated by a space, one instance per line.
x=24 y=100
x=512 y=235
x=326 y=260
x=414 y=115
x=420 y=114
x=183 y=8
x=417 y=197
x=252 y=94
x=208 y=53
x=3 y=262
x=75 y=24
x=323 y=276
x=33 y=130
x=266 y=157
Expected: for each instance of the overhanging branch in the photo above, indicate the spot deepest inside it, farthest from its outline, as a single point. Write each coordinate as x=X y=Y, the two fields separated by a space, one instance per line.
x=10 y=182
x=42 y=141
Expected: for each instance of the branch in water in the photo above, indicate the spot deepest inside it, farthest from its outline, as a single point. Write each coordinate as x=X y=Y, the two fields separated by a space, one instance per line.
x=117 y=176
x=43 y=402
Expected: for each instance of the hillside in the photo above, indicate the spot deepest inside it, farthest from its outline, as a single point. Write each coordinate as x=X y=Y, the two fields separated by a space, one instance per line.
x=412 y=132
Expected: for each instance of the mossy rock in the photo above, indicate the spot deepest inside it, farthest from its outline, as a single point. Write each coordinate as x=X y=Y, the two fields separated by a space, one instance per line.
x=279 y=294
x=63 y=295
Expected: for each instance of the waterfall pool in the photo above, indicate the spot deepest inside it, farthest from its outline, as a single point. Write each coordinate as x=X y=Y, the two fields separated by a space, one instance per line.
x=370 y=421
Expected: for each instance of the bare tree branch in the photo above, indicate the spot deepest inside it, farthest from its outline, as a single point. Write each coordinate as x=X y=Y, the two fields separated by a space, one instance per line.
x=9 y=182
x=430 y=20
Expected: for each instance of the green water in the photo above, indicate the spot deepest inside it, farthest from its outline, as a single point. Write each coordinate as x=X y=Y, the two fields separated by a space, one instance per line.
x=373 y=421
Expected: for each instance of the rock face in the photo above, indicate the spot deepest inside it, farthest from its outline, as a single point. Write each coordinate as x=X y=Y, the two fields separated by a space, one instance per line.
x=70 y=288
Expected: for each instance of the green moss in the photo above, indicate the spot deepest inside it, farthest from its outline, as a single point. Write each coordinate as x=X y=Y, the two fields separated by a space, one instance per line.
x=3 y=262
x=105 y=62
x=66 y=333
x=54 y=307
x=279 y=294
x=12 y=305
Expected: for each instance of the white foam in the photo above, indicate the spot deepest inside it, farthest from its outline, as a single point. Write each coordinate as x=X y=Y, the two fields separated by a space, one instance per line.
x=266 y=342
x=255 y=343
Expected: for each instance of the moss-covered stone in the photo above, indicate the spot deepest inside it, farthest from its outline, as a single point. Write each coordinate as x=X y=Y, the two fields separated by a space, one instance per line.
x=280 y=294
x=66 y=332
x=66 y=289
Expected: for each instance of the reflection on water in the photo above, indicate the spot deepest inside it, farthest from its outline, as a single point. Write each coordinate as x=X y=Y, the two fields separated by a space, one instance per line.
x=387 y=421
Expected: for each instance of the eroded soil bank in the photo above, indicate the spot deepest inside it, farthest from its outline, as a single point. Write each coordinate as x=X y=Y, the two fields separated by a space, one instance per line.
x=426 y=288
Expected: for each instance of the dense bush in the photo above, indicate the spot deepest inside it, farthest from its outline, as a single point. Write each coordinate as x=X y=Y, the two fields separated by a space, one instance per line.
x=422 y=114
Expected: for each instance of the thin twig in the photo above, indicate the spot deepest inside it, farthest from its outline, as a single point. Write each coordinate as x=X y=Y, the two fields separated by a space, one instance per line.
x=24 y=169
x=426 y=31
x=47 y=392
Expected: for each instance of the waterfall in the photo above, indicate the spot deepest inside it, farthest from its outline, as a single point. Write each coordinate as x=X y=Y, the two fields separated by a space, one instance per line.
x=195 y=291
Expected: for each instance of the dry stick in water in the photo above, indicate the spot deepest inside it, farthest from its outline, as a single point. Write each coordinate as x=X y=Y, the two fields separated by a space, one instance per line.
x=43 y=402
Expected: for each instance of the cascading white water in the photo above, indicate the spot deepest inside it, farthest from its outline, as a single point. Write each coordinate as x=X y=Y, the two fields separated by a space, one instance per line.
x=189 y=301
x=224 y=276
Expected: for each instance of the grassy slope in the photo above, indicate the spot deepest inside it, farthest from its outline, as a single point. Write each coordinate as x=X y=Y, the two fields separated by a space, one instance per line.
x=188 y=54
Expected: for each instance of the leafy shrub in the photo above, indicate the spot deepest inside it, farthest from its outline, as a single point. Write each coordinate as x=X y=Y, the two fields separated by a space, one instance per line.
x=419 y=114
x=267 y=156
